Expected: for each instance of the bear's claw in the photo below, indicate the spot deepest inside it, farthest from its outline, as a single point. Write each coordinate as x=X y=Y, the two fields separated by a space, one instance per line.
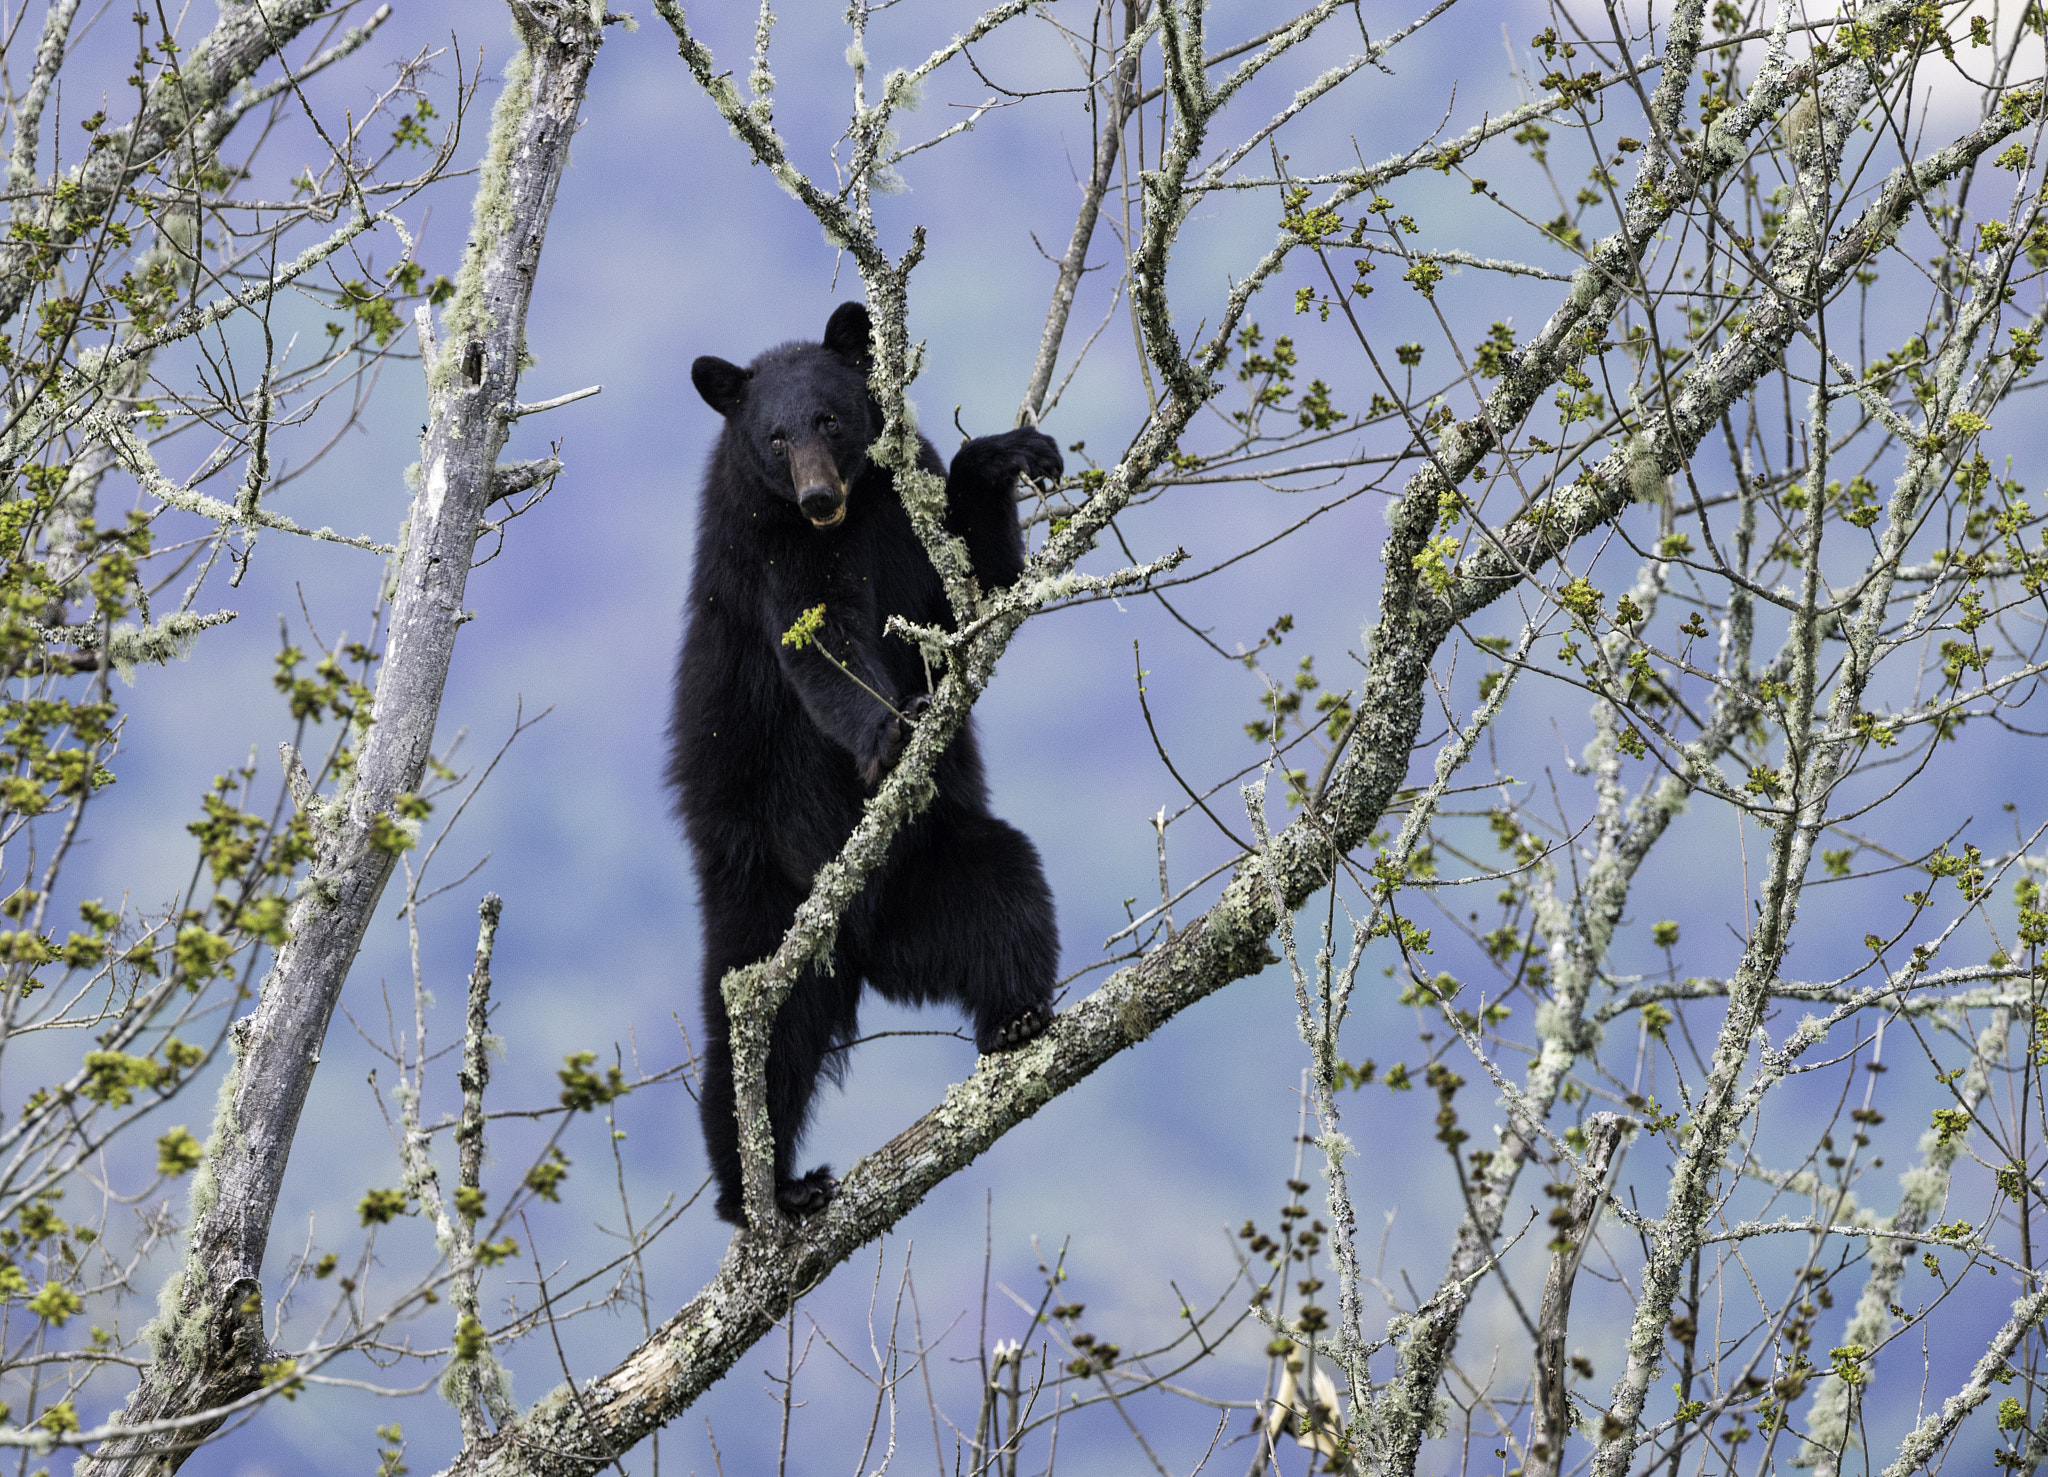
x=1019 y=1029
x=1034 y=454
x=897 y=736
x=1027 y=453
x=807 y=1196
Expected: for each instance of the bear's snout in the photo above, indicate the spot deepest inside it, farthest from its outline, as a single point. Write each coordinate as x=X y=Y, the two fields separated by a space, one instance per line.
x=820 y=493
x=824 y=506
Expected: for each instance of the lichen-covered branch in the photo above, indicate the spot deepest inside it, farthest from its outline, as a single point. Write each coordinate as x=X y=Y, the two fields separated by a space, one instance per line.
x=28 y=113
x=475 y=1384
x=209 y=1341
x=1926 y=1439
x=245 y=37
x=1922 y=1191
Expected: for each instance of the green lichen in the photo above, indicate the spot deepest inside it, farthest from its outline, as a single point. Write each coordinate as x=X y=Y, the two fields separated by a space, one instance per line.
x=160 y=1333
x=167 y=640
x=1557 y=1023
x=903 y=91
x=1045 y=591
x=480 y=1380
x=224 y=1136
x=466 y=317
x=552 y=1404
x=1647 y=481
x=171 y=1333
x=395 y=563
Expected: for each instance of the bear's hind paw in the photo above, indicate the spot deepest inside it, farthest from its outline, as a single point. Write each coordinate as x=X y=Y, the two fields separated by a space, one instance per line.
x=807 y=1196
x=1019 y=1029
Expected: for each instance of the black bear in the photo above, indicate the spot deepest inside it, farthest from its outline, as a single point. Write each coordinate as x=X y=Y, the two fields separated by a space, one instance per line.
x=776 y=744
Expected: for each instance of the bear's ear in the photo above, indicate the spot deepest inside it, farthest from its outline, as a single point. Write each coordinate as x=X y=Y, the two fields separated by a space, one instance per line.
x=848 y=334
x=722 y=385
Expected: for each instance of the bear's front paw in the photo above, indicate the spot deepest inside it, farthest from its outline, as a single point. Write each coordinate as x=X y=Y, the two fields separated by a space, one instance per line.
x=807 y=1196
x=1027 y=453
x=895 y=734
x=1038 y=455
x=1013 y=1033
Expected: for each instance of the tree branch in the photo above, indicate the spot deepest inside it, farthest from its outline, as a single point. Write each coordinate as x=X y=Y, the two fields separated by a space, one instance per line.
x=1553 y=1418
x=209 y=1341
x=245 y=37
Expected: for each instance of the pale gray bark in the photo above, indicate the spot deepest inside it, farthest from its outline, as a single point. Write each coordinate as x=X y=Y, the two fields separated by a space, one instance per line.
x=209 y=1342
x=28 y=113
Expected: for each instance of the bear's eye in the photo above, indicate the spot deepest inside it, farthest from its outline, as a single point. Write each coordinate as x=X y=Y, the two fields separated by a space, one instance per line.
x=830 y=423
x=775 y=443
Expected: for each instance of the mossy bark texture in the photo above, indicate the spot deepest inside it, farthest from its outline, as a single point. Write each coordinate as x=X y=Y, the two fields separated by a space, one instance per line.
x=211 y=1347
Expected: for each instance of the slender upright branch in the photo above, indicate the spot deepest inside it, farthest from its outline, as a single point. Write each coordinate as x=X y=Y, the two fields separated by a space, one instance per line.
x=1112 y=109
x=475 y=1383
x=1575 y=1222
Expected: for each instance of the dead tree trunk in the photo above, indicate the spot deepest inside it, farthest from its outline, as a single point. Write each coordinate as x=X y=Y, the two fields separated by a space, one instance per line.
x=209 y=1343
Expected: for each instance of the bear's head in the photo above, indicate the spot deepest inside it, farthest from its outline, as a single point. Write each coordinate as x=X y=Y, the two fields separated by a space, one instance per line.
x=801 y=414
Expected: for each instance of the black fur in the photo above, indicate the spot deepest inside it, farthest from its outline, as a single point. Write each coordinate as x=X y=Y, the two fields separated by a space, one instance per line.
x=775 y=748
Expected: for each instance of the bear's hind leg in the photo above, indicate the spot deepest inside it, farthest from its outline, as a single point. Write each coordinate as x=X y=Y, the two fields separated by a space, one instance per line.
x=819 y=1016
x=969 y=918
x=1028 y=1025
x=715 y=1110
